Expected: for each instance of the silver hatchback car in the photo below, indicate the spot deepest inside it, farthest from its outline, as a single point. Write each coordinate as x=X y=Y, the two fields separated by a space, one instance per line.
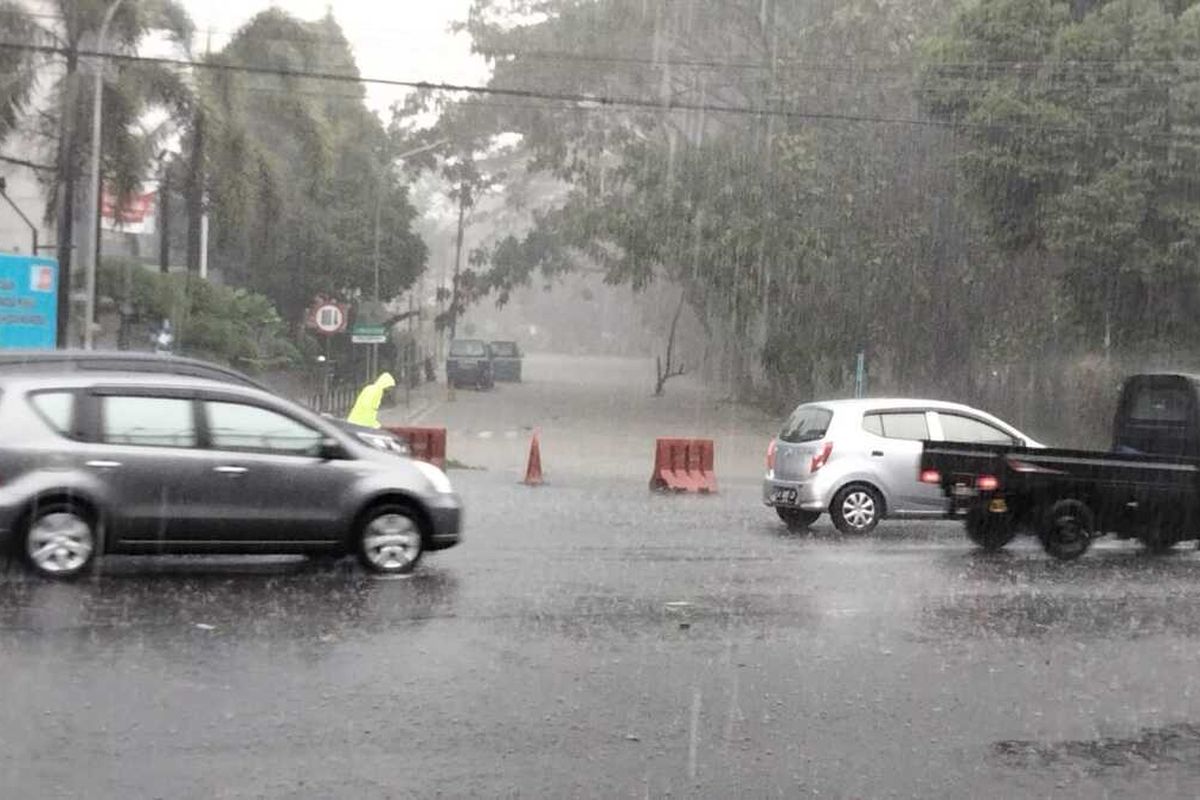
x=119 y=462
x=858 y=460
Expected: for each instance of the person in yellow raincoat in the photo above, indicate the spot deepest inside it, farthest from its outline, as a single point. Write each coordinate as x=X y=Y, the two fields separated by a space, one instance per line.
x=366 y=407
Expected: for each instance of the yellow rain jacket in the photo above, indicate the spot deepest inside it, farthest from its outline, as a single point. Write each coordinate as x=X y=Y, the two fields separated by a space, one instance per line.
x=366 y=407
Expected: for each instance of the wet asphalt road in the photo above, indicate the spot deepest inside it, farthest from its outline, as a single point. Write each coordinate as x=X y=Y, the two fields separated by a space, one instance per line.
x=590 y=639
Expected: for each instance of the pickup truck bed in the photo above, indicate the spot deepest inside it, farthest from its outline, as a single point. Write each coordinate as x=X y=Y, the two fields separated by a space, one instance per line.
x=1066 y=497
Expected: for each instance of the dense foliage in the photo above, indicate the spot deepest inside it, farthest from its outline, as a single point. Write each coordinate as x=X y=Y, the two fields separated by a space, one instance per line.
x=222 y=323
x=977 y=195
x=296 y=173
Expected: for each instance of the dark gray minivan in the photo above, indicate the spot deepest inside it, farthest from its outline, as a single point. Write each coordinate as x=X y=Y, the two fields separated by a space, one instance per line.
x=123 y=462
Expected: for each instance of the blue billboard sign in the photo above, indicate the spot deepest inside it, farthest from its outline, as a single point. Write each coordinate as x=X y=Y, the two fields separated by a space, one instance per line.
x=28 y=302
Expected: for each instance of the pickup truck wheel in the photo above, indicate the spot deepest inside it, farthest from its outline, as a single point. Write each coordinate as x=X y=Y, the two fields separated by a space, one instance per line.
x=797 y=519
x=1067 y=531
x=856 y=509
x=991 y=532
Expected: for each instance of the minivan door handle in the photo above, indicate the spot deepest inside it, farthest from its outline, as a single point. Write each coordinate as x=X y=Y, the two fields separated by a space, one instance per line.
x=104 y=464
x=232 y=472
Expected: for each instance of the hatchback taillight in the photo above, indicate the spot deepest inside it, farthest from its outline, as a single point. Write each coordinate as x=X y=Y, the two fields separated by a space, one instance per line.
x=821 y=457
x=931 y=476
x=771 y=455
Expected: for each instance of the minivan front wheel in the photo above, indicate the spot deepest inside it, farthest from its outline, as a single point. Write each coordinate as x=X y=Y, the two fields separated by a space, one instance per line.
x=60 y=540
x=856 y=509
x=390 y=540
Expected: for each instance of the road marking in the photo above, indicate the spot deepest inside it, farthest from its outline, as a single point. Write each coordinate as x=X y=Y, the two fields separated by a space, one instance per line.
x=695 y=736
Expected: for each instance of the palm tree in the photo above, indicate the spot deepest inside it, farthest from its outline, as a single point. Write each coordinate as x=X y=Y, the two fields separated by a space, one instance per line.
x=71 y=29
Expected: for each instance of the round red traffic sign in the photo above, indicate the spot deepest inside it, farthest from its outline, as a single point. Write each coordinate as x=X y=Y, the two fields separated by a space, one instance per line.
x=329 y=318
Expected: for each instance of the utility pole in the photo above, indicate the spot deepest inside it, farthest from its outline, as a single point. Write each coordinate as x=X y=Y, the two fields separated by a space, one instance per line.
x=458 y=243
x=89 y=319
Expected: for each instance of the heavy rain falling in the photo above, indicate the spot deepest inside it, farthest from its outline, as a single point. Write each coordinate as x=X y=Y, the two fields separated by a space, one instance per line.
x=599 y=398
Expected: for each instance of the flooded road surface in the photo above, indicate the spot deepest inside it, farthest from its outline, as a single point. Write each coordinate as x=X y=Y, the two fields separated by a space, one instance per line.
x=590 y=639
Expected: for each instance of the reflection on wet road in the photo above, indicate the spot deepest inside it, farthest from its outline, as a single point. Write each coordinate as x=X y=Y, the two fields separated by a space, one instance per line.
x=590 y=639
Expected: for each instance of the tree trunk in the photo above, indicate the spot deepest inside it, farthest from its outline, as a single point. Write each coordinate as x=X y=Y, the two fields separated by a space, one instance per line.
x=164 y=220
x=664 y=375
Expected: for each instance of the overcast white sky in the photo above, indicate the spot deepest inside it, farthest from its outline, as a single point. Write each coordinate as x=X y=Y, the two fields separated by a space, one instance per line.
x=394 y=39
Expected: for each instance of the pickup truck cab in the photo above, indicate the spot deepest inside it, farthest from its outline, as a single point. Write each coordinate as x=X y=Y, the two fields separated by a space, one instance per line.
x=1146 y=487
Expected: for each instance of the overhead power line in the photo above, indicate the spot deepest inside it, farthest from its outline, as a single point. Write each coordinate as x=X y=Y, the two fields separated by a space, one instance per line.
x=20 y=162
x=586 y=101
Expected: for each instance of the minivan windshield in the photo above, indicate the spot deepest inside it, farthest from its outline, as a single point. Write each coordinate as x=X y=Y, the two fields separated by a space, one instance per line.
x=806 y=424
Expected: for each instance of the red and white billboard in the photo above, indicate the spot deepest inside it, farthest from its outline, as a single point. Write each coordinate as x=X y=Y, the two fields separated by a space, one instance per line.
x=137 y=213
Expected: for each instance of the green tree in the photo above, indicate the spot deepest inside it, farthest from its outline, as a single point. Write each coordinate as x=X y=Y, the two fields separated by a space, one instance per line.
x=1080 y=122
x=71 y=28
x=295 y=171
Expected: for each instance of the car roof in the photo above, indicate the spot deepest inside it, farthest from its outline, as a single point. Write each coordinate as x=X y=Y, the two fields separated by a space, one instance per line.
x=890 y=403
x=91 y=361
x=74 y=379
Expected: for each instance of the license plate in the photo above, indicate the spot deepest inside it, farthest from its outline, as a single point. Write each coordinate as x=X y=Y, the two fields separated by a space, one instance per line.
x=961 y=490
x=784 y=496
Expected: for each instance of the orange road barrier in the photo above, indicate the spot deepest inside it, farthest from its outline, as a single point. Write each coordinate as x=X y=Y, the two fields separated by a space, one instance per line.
x=425 y=444
x=533 y=471
x=684 y=465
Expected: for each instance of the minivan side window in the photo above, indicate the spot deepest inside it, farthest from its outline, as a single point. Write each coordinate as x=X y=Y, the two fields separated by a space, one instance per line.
x=958 y=428
x=147 y=421
x=55 y=408
x=241 y=427
x=909 y=425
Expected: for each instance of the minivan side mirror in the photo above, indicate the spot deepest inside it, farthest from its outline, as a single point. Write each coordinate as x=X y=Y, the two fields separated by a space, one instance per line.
x=331 y=449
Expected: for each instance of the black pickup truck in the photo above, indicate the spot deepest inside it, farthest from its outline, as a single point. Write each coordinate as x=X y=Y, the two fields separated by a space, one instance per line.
x=1146 y=487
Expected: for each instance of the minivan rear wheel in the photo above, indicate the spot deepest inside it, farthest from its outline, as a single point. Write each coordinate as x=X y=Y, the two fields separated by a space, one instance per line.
x=797 y=519
x=390 y=541
x=856 y=509
x=60 y=540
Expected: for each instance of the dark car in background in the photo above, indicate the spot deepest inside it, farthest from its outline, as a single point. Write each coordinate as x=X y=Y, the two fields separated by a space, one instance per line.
x=469 y=363
x=506 y=361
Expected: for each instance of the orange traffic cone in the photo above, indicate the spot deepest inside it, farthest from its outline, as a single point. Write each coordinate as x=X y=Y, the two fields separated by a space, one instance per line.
x=533 y=472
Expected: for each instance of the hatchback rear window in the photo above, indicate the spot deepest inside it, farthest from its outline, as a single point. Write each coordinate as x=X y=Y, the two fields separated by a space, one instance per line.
x=806 y=424
x=468 y=348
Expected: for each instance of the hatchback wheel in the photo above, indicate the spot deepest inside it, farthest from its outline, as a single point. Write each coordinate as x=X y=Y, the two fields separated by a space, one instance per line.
x=60 y=541
x=390 y=540
x=856 y=509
